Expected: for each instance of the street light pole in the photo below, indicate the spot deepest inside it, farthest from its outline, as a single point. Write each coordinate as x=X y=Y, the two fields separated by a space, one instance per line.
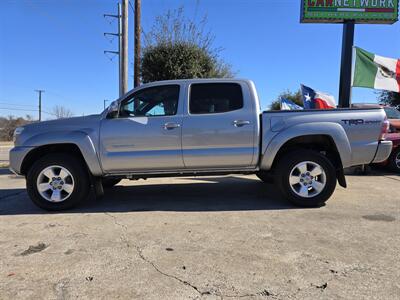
x=104 y=102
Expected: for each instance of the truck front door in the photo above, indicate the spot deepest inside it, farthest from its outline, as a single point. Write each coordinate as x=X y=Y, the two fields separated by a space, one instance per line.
x=146 y=135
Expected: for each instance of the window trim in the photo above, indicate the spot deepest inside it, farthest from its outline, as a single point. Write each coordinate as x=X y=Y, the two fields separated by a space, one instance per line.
x=213 y=113
x=131 y=95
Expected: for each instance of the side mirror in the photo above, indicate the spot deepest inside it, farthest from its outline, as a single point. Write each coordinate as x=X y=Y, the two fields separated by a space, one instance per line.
x=112 y=111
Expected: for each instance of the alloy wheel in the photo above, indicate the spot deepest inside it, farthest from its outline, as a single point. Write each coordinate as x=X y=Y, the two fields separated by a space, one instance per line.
x=307 y=179
x=55 y=184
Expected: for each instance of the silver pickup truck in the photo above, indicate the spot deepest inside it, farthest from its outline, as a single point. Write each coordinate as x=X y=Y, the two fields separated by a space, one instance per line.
x=193 y=128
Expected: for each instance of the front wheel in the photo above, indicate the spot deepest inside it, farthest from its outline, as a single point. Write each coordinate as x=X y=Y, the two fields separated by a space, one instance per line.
x=306 y=178
x=57 y=182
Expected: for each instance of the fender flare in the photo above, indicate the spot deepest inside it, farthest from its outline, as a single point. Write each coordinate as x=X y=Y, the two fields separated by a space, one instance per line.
x=333 y=130
x=81 y=139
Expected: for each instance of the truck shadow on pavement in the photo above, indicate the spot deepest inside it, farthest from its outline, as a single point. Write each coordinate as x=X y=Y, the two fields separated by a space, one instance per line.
x=206 y=194
x=4 y=171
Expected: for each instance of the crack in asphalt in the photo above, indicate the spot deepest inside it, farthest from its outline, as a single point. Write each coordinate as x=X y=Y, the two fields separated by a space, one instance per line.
x=184 y=282
x=116 y=221
x=155 y=267
x=139 y=251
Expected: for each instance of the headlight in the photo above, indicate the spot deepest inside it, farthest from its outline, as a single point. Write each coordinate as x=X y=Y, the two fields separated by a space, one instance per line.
x=17 y=132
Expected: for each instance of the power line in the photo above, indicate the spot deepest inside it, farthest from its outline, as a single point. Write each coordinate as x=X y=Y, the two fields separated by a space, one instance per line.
x=16 y=104
x=22 y=109
x=57 y=94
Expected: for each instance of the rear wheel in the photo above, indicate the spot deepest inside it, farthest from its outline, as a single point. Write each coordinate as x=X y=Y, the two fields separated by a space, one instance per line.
x=57 y=182
x=306 y=178
x=394 y=160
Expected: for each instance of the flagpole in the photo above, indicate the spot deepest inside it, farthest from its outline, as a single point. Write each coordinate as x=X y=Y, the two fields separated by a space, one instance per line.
x=352 y=75
x=345 y=68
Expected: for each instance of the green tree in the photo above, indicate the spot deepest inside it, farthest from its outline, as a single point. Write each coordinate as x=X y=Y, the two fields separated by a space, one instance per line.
x=296 y=97
x=389 y=98
x=177 y=48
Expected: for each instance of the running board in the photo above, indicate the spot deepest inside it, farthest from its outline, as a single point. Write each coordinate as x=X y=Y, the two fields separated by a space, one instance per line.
x=182 y=173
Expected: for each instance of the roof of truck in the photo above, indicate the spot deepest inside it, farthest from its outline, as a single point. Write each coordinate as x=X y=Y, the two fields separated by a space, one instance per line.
x=187 y=81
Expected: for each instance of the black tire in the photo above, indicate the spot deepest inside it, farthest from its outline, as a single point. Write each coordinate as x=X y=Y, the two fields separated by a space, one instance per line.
x=110 y=182
x=393 y=166
x=289 y=161
x=265 y=177
x=74 y=166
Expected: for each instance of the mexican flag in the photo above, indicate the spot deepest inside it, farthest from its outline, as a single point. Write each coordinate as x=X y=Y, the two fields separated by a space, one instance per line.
x=376 y=72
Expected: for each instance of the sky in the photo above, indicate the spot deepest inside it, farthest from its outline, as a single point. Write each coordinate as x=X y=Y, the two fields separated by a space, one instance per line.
x=58 y=46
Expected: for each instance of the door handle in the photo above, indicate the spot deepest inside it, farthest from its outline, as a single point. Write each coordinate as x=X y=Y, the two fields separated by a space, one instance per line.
x=240 y=123
x=170 y=126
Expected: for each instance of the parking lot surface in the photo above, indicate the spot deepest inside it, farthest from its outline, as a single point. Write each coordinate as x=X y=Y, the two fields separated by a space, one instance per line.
x=203 y=238
x=5 y=148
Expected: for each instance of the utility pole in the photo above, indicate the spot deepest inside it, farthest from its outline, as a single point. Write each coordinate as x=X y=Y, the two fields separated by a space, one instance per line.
x=40 y=103
x=136 y=72
x=124 y=46
x=122 y=52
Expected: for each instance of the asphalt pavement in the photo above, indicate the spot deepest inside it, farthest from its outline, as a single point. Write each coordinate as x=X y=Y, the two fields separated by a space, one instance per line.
x=5 y=148
x=228 y=237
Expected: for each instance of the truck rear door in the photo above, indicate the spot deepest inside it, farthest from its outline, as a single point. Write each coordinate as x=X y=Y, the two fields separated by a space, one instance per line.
x=219 y=126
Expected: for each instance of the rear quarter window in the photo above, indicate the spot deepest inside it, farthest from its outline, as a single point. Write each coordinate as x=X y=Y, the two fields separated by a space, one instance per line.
x=210 y=98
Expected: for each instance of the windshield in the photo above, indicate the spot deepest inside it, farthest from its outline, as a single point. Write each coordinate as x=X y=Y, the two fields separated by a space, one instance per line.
x=392 y=113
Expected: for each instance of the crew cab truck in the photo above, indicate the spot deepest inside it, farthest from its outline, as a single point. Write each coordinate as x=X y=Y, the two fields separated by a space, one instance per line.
x=193 y=128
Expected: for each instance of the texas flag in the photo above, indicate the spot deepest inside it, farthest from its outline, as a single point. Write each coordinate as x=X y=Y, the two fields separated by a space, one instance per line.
x=316 y=100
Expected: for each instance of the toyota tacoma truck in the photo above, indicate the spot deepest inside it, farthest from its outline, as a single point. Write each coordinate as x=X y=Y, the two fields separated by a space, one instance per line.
x=193 y=128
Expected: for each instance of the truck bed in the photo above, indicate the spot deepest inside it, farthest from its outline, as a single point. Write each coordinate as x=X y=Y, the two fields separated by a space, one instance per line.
x=355 y=131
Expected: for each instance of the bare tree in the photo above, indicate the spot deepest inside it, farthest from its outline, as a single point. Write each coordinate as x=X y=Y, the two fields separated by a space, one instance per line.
x=61 y=112
x=8 y=125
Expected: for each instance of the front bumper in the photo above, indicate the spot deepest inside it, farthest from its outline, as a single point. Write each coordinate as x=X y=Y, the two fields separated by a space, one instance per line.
x=17 y=155
x=383 y=152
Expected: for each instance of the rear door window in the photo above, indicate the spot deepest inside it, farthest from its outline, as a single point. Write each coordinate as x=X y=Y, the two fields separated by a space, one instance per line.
x=211 y=98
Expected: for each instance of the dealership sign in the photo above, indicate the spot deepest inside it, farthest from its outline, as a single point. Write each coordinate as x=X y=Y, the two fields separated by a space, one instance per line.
x=339 y=11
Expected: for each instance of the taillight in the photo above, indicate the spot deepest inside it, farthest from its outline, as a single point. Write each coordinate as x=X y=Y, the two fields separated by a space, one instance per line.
x=384 y=129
